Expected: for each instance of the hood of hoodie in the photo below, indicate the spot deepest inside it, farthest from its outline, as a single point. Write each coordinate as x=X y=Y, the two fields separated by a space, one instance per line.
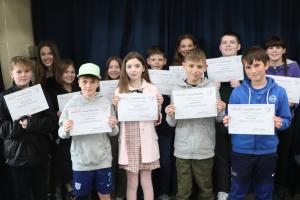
x=204 y=83
x=259 y=96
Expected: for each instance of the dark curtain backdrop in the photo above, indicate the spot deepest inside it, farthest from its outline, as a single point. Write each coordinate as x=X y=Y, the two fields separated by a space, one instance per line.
x=93 y=30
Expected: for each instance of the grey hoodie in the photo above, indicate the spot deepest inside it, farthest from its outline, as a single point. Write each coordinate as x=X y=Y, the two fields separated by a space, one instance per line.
x=195 y=138
x=93 y=151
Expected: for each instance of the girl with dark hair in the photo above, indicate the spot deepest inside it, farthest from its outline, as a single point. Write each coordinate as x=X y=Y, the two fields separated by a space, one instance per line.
x=113 y=68
x=281 y=66
x=184 y=44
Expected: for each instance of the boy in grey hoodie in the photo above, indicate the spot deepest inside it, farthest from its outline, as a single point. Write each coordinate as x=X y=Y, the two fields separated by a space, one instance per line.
x=90 y=153
x=195 y=138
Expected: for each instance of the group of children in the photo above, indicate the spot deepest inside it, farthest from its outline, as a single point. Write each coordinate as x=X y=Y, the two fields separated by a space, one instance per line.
x=209 y=163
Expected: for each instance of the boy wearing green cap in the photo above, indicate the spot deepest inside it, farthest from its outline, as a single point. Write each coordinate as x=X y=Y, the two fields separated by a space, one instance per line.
x=90 y=153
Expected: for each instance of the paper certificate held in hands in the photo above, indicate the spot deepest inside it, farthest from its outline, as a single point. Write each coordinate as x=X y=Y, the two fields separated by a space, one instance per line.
x=26 y=102
x=107 y=88
x=195 y=103
x=291 y=86
x=224 y=69
x=163 y=79
x=90 y=119
x=255 y=119
x=137 y=107
x=179 y=72
x=63 y=99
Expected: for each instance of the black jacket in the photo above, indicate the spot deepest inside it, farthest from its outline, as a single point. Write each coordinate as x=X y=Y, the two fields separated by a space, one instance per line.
x=26 y=146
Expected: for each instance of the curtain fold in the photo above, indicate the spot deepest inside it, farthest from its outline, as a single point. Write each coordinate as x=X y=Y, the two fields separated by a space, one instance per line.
x=91 y=31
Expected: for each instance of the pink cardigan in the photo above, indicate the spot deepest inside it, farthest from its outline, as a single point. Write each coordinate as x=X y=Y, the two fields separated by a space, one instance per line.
x=148 y=136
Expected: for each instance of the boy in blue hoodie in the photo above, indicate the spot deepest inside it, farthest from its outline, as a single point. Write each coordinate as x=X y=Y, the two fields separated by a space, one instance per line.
x=254 y=156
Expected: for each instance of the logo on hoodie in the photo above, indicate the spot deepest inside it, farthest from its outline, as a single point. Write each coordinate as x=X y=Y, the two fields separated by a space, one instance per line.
x=272 y=98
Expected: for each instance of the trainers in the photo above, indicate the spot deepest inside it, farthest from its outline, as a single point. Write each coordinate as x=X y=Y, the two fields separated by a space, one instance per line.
x=222 y=196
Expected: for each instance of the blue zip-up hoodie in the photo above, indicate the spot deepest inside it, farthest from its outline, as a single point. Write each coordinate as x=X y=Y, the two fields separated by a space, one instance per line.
x=270 y=94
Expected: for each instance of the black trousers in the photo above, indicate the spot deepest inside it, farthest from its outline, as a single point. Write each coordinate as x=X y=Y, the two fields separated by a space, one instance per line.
x=222 y=160
x=285 y=168
x=30 y=182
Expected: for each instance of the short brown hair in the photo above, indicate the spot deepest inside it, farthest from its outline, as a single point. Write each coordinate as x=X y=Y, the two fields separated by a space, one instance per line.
x=155 y=50
x=195 y=55
x=255 y=53
x=20 y=60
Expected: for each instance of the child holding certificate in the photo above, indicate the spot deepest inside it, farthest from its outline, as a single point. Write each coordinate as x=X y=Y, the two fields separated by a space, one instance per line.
x=112 y=68
x=253 y=157
x=163 y=178
x=47 y=62
x=229 y=46
x=138 y=150
x=195 y=138
x=280 y=66
x=184 y=44
x=27 y=139
x=112 y=72
x=65 y=76
x=90 y=153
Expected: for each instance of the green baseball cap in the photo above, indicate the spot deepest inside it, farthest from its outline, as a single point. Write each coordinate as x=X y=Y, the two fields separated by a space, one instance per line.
x=89 y=69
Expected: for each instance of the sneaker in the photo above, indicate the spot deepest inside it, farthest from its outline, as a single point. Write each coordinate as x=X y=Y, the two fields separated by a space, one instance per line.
x=119 y=198
x=164 y=197
x=222 y=196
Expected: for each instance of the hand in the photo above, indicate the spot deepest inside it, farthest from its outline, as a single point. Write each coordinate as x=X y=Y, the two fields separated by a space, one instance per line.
x=115 y=101
x=278 y=122
x=170 y=111
x=24 y=123
x=226 y=120
x=218 y=85
x=112 y=121
x=291 y=105
x=160 y=99
x=234 y=83
x=221 y=105
x=58 y=113
x=68 y=124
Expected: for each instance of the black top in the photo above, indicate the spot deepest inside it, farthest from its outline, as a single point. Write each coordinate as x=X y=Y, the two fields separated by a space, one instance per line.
x=26 y=146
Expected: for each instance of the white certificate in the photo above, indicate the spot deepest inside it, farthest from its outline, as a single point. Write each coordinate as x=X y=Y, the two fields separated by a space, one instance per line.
x=26 y=102
x=163 y=79
x=90 y=119
x=291 y=86
x=195 y=103
x=107 y=88
x=256 y=119
x=63 y=99
x=178 y=72
x=224 y=69
x=137 y=107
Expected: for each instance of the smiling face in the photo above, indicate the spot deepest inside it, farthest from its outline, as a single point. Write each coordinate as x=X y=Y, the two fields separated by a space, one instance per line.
x=194 y=71
x=114 y=70
x=256 y=72
x=156 y=61
x=275 y=53
x=22 y=75
x=88 y=86
x=229 y=45
x=68 y=75
x=47 y=57
x=185 y=46
x=134 y=69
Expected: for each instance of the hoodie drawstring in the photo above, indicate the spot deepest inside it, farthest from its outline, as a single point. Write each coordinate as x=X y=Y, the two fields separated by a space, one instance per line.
x=267 y=99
